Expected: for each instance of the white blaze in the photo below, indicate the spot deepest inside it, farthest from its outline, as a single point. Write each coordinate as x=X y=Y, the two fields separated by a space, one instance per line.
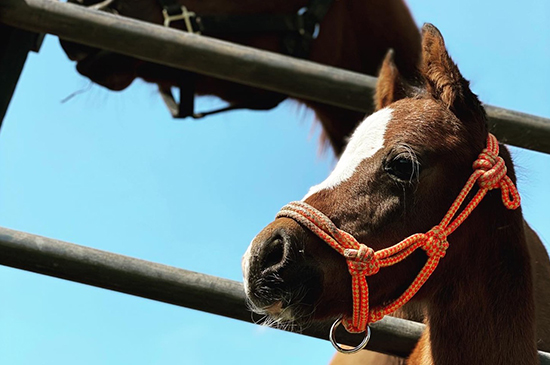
x=367 y=139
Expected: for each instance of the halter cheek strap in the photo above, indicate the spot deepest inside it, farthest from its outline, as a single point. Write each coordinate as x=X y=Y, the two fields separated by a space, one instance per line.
x=489 y=173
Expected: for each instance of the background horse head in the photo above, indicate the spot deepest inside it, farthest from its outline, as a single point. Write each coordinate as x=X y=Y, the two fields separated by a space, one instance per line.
x=353 y=35
x=398 y=176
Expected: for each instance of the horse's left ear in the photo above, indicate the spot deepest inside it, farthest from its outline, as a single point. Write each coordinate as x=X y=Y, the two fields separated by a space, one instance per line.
x=443 y=79
x=391 y=86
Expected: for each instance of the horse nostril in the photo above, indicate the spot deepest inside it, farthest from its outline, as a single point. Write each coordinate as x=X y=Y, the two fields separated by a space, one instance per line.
x=274 y=252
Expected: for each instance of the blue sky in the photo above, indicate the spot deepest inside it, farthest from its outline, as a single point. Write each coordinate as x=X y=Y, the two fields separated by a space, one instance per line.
x=113 y=171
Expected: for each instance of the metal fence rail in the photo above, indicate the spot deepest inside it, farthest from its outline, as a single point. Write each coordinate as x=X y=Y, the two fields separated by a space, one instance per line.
x=175 y=286
x=297 y=78
x=167 y=284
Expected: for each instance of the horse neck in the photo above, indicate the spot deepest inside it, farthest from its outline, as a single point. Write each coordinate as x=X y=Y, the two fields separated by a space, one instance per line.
x=481 y=309
x=355 y=35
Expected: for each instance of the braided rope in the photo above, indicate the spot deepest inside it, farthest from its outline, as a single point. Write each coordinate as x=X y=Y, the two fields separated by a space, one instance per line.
x=489 y=173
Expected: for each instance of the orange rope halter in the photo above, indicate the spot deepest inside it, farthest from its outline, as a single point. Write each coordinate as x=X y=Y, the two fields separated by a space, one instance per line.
x=489 y=172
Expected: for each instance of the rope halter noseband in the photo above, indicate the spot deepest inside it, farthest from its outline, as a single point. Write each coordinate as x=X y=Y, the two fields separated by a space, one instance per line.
x=489 y=173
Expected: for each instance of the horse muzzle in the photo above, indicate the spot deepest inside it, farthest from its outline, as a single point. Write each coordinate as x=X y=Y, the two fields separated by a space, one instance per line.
x=291 y=275
x=280 y=279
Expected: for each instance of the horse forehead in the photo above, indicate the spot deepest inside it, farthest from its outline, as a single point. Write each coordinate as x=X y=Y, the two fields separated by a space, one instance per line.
x=423 y=122
x=368 y=138
x=411 y=112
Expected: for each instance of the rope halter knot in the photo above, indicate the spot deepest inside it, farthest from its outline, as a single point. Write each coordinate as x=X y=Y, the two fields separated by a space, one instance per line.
x=362 y=261
x=492 y=170
x=436 y=243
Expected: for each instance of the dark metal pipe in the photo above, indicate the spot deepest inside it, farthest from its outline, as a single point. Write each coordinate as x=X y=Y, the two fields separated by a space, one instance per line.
x=175 y=286
x=168 y=284
x=286 y=75
x=15 y=44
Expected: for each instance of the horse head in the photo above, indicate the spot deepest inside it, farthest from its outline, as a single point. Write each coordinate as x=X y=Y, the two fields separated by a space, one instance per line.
x=350 y=34
x=116 y=72
x=399 y=174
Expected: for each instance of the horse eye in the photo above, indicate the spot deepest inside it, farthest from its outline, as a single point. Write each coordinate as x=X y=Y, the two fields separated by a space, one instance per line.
x=403 y=168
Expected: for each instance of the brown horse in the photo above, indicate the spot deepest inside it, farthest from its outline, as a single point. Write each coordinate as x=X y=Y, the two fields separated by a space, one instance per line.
x=488 y=299
x=353 y=34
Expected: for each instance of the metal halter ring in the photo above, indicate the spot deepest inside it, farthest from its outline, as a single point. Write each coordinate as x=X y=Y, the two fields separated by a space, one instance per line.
x=340 y=348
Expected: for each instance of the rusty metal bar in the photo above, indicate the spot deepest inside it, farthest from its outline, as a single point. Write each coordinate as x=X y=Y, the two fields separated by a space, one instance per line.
x=172 y=285
x=286 y=75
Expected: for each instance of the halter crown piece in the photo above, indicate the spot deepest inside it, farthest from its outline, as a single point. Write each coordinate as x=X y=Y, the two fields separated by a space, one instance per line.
x=489 y=173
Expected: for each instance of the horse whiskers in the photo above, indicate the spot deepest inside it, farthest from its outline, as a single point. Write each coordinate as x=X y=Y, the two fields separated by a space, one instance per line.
x=277 y=323
x=75 y=93
x=294 y=321
x=293 y=317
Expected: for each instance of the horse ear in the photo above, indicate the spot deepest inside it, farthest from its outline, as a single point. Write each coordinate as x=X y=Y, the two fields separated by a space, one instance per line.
x=443 y=79
x=391 y=86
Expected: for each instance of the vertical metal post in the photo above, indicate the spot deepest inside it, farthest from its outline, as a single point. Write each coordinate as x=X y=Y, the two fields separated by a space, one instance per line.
x=15 y=45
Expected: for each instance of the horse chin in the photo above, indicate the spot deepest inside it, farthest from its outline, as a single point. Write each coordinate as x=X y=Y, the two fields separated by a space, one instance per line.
x=278 y=312
x=113 y=71
x=285 y=316
x=282 y=306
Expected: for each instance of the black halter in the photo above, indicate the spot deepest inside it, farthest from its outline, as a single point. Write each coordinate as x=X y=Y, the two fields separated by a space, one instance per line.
x=298 y=30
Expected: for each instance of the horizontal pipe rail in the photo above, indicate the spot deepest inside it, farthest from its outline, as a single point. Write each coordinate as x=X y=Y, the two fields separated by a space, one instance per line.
x=175 y=286
x=286 y=75
x=168 y=284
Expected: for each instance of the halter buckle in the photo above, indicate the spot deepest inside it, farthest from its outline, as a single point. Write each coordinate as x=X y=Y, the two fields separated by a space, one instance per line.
x=308 y=27
x=184 y=15
x=332 y=338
